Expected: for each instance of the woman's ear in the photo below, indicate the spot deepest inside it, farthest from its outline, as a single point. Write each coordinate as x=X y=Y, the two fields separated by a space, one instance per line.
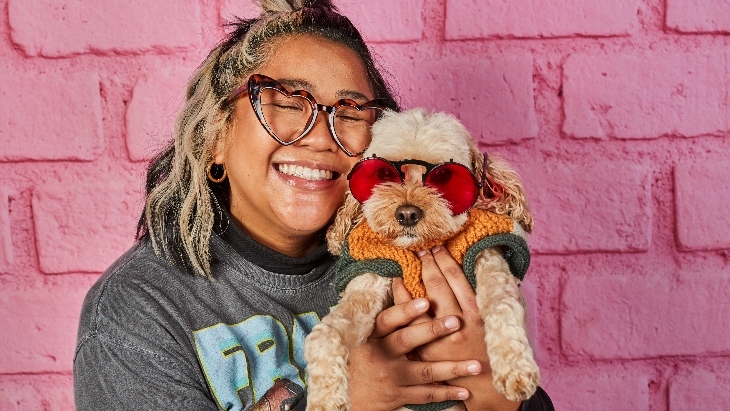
x=347 y=217
x=219 y=150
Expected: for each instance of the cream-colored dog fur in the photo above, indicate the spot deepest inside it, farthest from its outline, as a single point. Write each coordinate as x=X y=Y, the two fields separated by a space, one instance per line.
x=435 y=138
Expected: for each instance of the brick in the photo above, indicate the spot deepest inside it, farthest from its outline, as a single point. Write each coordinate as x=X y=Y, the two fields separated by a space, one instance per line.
x=698 y=386
x=471 y=19
x=150 y=119
x=83 y=226
x=493 y=98
x=33 y=120
x=598 y=390
x=646 y=95
x=52 y=29
x=625 y=317
x=707 y=16
x=702 y=198
x=379 y=21
x=37 y=392
x=590 y=206
x=39 y=329
x=6 y=243
x=230 y=10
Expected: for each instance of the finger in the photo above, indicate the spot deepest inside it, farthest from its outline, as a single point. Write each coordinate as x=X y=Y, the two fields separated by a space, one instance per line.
x=454 y=275
x=400 y=292
x=397 y=316
x=409 y=338
x=442 y=298
x=425 y=394
x=401 y=295
x=417 y=372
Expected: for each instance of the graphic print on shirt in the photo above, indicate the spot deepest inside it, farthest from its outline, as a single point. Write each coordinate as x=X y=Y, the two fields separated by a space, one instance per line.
x=243 y=361
x=281 y=397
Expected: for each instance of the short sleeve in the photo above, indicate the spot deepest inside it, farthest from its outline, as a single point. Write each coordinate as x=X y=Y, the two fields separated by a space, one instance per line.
x=111 y=376
x=538 y=402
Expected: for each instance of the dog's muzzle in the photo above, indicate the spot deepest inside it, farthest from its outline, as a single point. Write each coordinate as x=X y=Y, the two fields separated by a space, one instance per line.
x=408 y=215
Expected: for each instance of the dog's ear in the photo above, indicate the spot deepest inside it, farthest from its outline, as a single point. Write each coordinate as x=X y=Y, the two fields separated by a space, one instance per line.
x=503 y=193
x=347 y=217
x=491 y=191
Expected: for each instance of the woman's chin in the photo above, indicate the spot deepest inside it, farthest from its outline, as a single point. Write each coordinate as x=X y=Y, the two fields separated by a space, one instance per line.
x=302 y=224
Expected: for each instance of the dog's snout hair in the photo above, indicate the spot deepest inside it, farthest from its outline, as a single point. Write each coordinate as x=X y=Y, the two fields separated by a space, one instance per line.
x=408 y=215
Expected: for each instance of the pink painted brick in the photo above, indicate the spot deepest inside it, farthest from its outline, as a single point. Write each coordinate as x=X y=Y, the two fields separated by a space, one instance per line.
x=646 y=95
x=702 y=198
x=156 y=100
x=589 y=206
x=51 y=28
x=245 y=9
x=707 y=16
x=377 y=20
x=6 y=243
x=623 y=316
x=37 y=392
x=597 y=390
x=690 y=388
x=493 y=98
x=470 y=19
x=83 y=226
x=383 y=20
x=69 y=127
x=39 y=329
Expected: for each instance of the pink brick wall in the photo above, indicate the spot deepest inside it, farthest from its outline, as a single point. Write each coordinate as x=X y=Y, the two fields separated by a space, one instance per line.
x=616 y=113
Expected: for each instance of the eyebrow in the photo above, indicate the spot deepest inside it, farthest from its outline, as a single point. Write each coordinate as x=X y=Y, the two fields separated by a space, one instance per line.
x=300 y=84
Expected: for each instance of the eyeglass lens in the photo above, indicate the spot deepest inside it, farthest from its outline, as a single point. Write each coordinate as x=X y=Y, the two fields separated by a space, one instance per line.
x=289 y=117
x=454 y=182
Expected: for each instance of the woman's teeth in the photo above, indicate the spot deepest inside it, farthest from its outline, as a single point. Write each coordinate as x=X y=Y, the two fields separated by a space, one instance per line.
x=304 y=172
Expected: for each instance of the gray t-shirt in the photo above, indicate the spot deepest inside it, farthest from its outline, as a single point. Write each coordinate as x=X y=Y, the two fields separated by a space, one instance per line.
x=153 y=337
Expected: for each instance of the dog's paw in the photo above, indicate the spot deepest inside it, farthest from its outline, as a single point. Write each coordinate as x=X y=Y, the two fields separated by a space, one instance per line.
x=517 y=385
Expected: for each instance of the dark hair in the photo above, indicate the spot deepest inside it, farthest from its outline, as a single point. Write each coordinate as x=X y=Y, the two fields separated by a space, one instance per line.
x=181 y=210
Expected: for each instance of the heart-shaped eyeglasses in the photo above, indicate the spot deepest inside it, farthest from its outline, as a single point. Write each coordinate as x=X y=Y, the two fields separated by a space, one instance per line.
x=289 y=116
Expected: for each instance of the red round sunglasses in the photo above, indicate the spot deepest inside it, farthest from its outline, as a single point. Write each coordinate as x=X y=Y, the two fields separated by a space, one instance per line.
x=454 y=181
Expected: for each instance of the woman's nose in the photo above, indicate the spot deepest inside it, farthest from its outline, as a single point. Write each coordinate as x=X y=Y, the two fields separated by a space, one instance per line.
x=320 y=137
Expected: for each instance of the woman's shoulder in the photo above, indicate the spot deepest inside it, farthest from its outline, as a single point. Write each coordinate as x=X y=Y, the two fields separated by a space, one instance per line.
x=138 y=266
x=130 y=296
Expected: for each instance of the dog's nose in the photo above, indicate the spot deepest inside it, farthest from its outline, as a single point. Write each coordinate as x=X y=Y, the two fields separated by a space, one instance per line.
x=408 y=215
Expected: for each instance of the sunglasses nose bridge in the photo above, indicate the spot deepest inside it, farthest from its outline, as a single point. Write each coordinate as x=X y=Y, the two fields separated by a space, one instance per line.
x=414 y=172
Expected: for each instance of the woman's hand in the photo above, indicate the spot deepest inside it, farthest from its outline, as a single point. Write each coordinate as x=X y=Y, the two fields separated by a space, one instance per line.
x=451 y=295
x=381 y=378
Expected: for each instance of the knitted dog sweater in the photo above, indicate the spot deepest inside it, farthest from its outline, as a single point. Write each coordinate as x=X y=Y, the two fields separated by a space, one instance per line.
x=367 y=251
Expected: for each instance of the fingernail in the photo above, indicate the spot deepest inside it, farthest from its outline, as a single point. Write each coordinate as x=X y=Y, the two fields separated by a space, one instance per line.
x=473 y=368
x=421 y=253
x=462 y=395
x=436 y=249
x=451 y=323
x=420 y=304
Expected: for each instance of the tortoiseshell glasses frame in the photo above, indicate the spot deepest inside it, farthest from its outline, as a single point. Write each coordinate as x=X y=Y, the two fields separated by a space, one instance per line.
x=289 y=116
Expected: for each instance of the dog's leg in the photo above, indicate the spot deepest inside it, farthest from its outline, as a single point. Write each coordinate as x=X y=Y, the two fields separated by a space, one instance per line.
x=514 y=371
x=327 y=347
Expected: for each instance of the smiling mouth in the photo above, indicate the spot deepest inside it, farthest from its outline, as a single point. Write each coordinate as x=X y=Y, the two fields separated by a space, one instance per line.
x=306 y=173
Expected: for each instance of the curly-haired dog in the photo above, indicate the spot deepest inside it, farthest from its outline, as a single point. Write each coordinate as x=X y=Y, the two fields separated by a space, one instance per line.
x=417 y=186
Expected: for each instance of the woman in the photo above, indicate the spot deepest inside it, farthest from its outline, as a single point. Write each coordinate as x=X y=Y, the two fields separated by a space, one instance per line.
x=209 y=310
